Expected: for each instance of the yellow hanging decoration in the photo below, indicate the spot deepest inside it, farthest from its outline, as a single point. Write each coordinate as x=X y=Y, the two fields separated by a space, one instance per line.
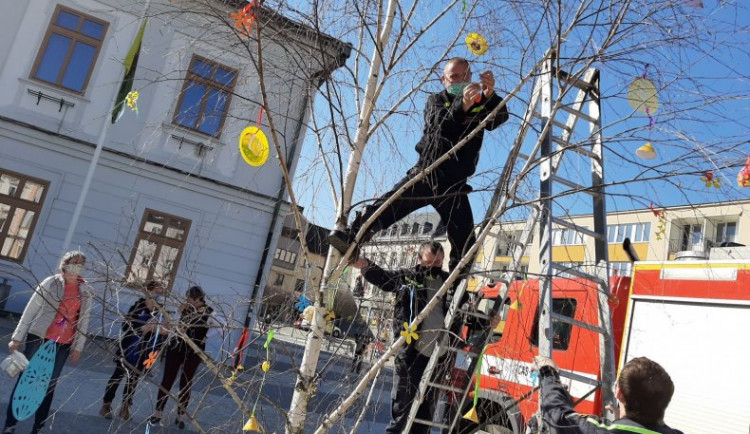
x=265 y=366
x=252 y=424
x=476 y=44
x=642 y=96
x=131 y=100
x=647 y=151
x=472 y=415
x=517 y=305
x=254 y=146
x=408 y=333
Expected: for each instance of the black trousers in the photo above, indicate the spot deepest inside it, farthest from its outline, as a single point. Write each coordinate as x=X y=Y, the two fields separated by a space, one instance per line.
x=174 y=361
x=131 y=381
x=450 y=201
x=408 y=371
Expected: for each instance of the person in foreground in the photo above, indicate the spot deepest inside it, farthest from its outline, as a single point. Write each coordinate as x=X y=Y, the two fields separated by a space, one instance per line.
x=643 y=391
x=58 y=311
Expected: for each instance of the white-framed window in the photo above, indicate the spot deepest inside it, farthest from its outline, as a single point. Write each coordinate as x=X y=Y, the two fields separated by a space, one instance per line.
x=566 y=237
x=637 y=232
x=726 y=232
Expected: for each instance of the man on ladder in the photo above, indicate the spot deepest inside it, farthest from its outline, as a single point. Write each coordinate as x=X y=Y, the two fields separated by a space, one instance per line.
x=414 y=287
x=450 y=116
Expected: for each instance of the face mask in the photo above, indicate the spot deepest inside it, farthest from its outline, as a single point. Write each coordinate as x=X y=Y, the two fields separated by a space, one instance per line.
x=457 y=88
x=76 y=269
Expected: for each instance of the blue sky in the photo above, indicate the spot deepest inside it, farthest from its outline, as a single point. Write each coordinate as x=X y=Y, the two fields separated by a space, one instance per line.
x=702 y=121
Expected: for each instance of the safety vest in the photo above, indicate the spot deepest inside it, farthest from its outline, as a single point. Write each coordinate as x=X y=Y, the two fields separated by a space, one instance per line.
x=617 y=426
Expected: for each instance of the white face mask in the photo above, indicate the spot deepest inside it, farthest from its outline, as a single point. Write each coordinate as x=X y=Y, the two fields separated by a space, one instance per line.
x=75 y=269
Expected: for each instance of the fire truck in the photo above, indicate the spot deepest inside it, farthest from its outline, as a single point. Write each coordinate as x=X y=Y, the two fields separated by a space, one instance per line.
x=690 y=316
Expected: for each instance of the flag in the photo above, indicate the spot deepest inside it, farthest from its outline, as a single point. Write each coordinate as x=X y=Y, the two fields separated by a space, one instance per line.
x=130 y=63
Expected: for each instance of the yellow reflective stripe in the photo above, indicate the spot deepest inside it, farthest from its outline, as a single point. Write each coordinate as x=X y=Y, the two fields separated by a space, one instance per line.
x=477 y=109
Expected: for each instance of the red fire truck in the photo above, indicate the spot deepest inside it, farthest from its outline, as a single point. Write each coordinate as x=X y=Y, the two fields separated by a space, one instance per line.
x=692 y=317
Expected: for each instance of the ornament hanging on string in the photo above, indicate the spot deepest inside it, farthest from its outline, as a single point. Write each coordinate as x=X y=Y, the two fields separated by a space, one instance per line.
x=252 y=423
x=646 y=152
x=476 y=44
x=244 y=18
x=661 y=225
x=253 y=144
x=743 y=178
x=642 y=95
x=409 y=333
x=710 y=180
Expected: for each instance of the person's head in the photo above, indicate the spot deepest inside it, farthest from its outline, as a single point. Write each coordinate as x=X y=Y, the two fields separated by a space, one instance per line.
x=456 y=71
x=644 y=390
x=431 y=254
x=73 y=263
x=155 y=288
x=195 y=295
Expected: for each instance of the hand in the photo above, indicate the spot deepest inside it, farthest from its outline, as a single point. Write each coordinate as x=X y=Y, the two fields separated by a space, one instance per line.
x=544 y=362
x=75 y=355
x=471 y=93
x=359 y=263
x=488 y=83
x=14 y=346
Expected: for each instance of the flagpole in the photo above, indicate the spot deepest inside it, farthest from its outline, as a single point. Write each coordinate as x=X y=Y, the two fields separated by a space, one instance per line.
x=95 y=157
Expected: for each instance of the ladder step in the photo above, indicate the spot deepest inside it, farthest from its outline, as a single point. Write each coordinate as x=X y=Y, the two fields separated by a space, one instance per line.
x=577 y=273
x=553 y=121
x=575 y=81
x=575 y=227
x=560 y=141
x=473 y=314
x=573 y=322
x=446 y=387
x=573 y=185
x=581 y=378
x=431 y=423
x=523 y=156
x=580 y=114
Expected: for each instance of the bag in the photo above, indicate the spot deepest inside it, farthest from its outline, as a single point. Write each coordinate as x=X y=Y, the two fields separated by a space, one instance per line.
x=14 y=363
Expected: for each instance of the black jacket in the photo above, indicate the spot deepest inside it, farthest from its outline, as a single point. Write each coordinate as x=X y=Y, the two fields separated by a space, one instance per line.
x=195 y=325
x=402 y=282
x=445 y=124
x=561 y=418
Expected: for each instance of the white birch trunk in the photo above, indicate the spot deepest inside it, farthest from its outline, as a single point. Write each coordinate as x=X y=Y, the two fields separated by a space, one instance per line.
x=305 y=382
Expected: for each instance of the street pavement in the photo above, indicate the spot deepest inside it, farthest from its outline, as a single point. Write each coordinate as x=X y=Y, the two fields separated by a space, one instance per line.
x=81 y=387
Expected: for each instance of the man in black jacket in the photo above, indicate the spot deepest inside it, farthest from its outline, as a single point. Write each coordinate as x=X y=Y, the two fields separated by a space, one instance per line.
x=450 y=116
x=643 y=391
x=414 y=287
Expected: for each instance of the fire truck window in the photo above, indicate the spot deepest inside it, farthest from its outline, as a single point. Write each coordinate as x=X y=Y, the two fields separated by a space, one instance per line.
x=561 y=331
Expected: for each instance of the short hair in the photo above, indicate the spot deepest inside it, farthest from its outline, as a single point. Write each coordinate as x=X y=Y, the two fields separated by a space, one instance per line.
x=459 y=60
x=68 y=256
x=153 y=284
x=195 y=292
x=433 y=246
x=646 y=390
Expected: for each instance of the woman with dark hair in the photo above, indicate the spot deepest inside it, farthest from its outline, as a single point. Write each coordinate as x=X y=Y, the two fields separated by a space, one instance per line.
x=136 y=337
x=58 y=311
x=194 y=316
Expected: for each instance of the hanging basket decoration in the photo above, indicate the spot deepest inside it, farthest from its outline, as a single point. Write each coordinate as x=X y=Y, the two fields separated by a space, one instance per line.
x=710 y=181
x=476 y=44
x=409 y=333
x=646 y=152
x=151 y=360
x=743 y=178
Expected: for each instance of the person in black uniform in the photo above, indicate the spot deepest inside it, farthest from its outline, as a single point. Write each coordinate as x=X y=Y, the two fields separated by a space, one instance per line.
x=643 y=391
x=194 y=317
x=450 y=116
x=136 y=339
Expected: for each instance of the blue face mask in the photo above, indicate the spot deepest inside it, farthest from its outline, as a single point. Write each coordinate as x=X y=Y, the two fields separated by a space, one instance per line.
x=457 y=88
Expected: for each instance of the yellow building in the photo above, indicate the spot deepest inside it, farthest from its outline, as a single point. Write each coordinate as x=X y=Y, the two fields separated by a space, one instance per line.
x=656 y=235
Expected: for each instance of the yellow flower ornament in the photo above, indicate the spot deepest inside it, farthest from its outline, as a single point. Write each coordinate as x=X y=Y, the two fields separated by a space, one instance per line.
x=131 y=99
x=476 y=44
x=408 y=333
